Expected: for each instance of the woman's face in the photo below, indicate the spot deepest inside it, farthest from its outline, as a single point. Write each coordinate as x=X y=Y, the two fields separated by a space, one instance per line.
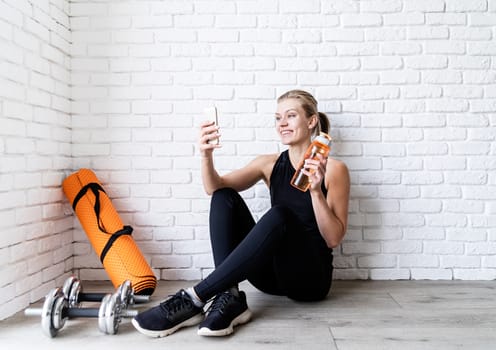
x=292 y=124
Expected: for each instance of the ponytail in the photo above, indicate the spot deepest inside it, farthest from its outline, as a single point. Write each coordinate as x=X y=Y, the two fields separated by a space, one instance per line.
x=324 y=123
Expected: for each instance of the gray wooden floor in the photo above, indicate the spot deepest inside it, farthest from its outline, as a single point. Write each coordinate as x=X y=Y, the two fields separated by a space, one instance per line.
x=356 y=315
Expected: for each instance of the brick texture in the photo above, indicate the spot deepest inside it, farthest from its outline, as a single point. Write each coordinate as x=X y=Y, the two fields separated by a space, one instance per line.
x=119 y=86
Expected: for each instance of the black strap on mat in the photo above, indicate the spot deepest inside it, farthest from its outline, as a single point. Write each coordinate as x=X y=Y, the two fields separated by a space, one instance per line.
x=127 y=230
x=96 y=188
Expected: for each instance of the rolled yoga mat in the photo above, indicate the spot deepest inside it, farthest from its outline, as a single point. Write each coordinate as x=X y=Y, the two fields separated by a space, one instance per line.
x=110 y=238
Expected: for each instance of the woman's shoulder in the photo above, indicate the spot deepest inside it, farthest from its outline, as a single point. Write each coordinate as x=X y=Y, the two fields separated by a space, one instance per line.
x=337 y=164
x=337 y=170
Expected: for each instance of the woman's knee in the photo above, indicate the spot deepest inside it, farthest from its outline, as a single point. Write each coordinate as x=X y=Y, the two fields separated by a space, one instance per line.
x=225 y=192
x=224 y=196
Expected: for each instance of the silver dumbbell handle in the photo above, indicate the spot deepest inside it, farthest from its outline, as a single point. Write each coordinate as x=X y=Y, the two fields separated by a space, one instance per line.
x=33 y=312
x=81 y=312
x=139 y=299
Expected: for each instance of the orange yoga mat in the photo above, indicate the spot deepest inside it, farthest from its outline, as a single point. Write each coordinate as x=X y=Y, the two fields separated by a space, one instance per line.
x=111 y=240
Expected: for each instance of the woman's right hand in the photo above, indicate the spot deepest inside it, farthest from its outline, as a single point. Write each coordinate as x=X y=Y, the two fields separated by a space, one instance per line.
x=209 y=133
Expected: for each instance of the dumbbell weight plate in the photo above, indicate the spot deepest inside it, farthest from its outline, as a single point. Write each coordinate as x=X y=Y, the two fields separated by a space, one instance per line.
x=72 y=288
x=66 y=288
x=58 y=318
x=109 y=313
x=51 y=316
x=73 y=295
x=125 y=292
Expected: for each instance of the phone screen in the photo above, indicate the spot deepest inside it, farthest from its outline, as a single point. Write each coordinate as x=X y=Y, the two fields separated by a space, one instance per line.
x=212 y=115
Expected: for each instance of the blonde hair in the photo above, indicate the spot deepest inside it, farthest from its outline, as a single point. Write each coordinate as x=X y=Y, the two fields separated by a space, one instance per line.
x=309 y=105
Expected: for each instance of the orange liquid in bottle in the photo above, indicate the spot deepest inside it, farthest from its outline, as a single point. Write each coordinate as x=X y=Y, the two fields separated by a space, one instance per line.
x=321 y=144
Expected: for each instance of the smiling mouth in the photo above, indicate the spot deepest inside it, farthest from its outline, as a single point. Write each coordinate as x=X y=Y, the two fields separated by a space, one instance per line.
x=286 y=132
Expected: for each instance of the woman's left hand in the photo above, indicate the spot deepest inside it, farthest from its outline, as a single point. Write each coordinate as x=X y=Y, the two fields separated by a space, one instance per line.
x=315 y=170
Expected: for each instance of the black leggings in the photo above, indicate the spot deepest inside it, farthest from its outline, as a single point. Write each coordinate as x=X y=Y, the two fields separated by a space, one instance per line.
x=273 y=254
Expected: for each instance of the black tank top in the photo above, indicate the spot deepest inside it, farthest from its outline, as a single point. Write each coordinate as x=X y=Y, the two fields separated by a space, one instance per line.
x=300 y=203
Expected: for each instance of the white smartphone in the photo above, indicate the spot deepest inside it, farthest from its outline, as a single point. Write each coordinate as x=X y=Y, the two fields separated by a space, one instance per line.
x=212 y=115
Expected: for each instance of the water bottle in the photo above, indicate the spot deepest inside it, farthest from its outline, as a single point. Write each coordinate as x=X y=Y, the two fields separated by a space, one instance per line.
x=321 y=144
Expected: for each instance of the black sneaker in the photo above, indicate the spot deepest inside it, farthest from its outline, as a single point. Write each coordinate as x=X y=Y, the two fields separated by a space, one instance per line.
x=226 y=311
x=176 y=312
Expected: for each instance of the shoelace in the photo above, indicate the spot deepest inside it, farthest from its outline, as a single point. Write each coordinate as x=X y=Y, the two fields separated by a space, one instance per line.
x=176 y=302
x=220 y=302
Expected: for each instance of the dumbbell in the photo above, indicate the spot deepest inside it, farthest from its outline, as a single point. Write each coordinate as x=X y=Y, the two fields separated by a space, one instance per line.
x=73 y=290
x=56 y=311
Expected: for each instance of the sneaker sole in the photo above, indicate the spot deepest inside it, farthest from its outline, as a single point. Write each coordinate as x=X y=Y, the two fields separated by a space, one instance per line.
x=163 y=333
x=241 y=319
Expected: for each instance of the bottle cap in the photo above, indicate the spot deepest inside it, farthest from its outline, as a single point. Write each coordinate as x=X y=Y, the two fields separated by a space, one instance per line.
x=324 y=139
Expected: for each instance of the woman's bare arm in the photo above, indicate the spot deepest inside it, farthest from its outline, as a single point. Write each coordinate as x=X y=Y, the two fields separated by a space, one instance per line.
x=331 y=212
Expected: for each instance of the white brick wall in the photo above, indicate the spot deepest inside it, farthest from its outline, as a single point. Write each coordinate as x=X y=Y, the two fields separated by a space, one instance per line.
x=36 y=243
x=410 y=87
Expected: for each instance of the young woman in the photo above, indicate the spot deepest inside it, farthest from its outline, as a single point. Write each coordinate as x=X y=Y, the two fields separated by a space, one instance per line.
x=288 y=252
